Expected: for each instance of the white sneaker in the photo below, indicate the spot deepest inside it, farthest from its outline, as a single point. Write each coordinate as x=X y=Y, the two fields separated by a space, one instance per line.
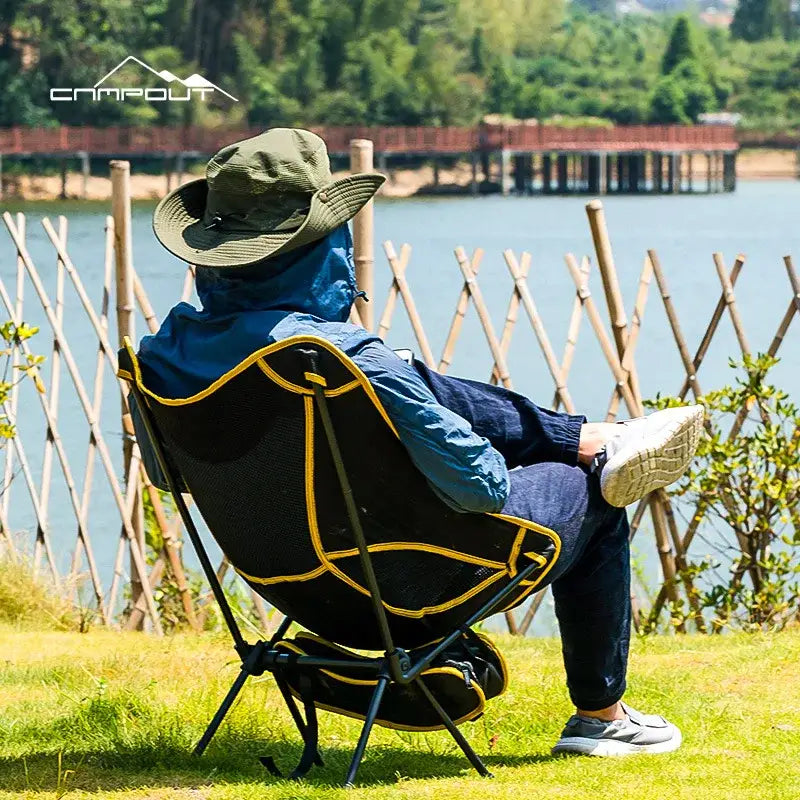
x=637 y=733
x=649 y=453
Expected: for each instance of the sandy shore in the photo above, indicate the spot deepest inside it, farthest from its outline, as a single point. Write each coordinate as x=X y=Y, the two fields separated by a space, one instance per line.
x=751 y=165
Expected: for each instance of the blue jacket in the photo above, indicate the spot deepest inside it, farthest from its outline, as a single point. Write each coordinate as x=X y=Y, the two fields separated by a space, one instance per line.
x=311 y=291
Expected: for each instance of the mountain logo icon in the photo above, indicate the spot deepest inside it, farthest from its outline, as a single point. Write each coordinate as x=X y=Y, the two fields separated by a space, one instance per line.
x=194 y=84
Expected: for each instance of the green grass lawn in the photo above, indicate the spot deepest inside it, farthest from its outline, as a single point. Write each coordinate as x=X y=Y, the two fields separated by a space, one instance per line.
x=110 y=715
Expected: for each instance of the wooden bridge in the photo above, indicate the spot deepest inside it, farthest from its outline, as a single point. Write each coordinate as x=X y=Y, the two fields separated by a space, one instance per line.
x=528 y=158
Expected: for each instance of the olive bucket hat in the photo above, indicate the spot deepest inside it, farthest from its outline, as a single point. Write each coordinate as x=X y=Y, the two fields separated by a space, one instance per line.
x=262 y=196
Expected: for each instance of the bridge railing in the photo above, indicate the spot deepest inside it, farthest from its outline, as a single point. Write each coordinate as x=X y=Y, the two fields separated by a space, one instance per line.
x=422 y=139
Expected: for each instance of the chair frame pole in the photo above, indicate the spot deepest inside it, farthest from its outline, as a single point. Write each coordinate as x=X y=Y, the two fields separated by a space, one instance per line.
x=369 y=722
x=398 y=661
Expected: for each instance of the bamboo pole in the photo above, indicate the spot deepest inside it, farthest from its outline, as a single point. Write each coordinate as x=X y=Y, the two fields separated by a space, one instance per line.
x=131 y=486
x=55 y=384
x=572 y=332
x=125 y=294
x=458 y=317
x=205 y=607
x=539 y=330
x=8 y=471
x=605 y=343
x=512 y=314
x=171 y=549
x=355 y=318
x=530 y=612
x=672 y=316
x=411 y=307
x=80 y=389
x=483 y=314
x=711 y=329
x=188 y=284
x=261 y=611
x=608 y=272
x=97 y=400
x=637 y=318
x=361 y=158
x=150 y=318
x=736 y=321
x=394 y=291
x=730 y=303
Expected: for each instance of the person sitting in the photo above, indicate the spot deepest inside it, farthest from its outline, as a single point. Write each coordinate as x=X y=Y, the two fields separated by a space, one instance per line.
x=267 y=231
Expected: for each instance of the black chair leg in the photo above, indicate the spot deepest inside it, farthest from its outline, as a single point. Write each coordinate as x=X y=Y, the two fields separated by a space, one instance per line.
x=372 y=713
x=473 y=757
x=296 y=715
x=225 y=706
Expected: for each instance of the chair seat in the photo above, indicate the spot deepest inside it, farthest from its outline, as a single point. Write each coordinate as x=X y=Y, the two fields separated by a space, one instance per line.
x=462 y=679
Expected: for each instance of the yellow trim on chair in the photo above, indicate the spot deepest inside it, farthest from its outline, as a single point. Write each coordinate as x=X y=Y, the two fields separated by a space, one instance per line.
x=383 y=547
x=323 y=556
x=292 y=647
x=303 y=576
x=326 y=559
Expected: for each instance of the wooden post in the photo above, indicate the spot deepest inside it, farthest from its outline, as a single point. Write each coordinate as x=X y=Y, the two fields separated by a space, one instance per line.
x=123 y=257
x=562 y=170
x=473 y=186
x=85 y=174
x=505 y=182
x=63 y=193
x=364 y=235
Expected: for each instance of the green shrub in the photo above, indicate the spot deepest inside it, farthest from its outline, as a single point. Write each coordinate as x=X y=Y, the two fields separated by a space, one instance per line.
x=745 y=484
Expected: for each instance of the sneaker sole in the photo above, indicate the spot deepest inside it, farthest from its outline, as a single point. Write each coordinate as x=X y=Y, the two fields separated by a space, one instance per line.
x=655 y=460
x=612 y=747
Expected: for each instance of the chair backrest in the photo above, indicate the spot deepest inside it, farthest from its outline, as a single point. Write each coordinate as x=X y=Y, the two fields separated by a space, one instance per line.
x=253 y=454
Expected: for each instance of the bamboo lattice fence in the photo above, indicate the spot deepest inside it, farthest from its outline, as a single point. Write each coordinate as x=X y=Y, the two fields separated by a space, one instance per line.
x=121 y=300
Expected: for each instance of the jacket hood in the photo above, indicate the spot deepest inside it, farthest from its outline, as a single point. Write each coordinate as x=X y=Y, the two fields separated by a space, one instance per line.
x=319 y=280
x=306 y=291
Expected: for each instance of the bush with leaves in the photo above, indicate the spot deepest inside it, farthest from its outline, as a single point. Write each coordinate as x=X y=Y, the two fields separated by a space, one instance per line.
x=745 y=482
x=13 y=336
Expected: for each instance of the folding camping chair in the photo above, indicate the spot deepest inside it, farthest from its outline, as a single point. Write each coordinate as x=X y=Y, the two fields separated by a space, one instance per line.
x=301 y=478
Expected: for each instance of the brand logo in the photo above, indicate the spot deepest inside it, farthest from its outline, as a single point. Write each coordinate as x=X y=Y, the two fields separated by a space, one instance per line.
x=193 y=86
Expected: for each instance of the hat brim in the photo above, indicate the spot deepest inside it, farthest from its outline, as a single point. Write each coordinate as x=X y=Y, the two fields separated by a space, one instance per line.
x=179 y=226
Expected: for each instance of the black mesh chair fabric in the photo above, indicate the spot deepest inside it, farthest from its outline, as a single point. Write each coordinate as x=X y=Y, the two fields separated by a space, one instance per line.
x=253 y=454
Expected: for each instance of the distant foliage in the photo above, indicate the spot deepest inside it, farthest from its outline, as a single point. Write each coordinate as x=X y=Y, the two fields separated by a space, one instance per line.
x=402 y=62
x=747 y=487
x=755 y=20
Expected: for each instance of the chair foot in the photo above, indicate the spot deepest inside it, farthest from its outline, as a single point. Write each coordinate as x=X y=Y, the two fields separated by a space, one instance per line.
x=296 y=715
x=465 y=746
x=372 y=713
x=223 y=709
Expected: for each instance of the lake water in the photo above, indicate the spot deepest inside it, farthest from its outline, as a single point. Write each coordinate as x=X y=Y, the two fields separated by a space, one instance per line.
x=760 y=220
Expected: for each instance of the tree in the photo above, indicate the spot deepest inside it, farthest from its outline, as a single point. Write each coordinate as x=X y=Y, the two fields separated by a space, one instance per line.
x=755 y=20
x=681 y=45
x=668 y=104
x=699 y=95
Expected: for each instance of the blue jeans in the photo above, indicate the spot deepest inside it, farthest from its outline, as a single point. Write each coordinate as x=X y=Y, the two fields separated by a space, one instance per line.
x=591 y=578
